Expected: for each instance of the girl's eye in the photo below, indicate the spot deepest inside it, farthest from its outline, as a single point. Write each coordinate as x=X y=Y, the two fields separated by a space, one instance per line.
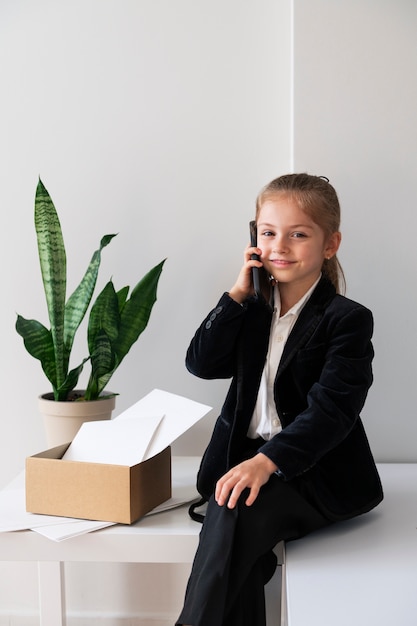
x=298 y=235
x=267 y=233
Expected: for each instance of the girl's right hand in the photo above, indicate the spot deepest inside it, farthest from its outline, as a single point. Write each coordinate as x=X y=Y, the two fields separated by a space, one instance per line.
x=243 y=287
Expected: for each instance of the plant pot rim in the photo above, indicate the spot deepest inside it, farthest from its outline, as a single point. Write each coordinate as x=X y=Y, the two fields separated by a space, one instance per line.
x=76 y=395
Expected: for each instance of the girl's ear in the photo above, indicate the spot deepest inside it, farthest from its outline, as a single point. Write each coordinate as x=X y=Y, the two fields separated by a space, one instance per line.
x=332 y=245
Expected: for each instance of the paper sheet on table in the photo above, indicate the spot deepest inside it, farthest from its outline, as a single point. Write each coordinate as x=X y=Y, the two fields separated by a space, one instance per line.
x=14 y=517
x=179 y=412
x=13 y=514
x=70 y=529
x=123 y=442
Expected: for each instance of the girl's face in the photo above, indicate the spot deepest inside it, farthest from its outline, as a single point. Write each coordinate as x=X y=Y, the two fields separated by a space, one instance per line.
x=293 y=246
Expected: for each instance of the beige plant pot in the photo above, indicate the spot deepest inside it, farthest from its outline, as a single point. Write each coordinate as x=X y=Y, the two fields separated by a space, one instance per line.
x=62 y=420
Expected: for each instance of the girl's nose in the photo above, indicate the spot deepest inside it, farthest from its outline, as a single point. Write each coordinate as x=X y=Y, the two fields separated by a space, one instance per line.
x=280 y=245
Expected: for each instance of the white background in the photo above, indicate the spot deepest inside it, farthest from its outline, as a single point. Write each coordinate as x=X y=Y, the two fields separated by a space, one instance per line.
x=161 y=120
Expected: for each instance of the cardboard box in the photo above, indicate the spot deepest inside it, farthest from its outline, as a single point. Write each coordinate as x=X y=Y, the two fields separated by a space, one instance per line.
x=96 y=491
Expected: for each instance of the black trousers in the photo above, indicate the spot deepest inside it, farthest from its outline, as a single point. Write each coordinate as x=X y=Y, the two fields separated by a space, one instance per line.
x=234 y=559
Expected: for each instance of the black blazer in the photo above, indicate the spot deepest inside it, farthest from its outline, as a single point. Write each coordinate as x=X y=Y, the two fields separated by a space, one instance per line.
x=320 y=388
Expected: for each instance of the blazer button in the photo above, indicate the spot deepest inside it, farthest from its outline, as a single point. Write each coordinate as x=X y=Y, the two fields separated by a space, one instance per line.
x=208 y=325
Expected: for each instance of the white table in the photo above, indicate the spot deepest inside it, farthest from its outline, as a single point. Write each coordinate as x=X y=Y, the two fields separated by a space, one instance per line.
x=168 y=537
x=362 y=572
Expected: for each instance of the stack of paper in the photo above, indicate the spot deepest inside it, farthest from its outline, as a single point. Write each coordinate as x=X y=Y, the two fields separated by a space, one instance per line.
x=139 y=433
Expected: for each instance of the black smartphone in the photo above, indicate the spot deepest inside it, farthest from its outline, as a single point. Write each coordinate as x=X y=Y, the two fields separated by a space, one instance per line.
x=255 y=270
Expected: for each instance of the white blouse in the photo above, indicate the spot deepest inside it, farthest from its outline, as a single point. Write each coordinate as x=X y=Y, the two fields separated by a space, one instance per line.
x=265 y=422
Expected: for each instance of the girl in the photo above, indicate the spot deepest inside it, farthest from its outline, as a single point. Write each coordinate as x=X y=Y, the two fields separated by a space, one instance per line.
x=288 y=454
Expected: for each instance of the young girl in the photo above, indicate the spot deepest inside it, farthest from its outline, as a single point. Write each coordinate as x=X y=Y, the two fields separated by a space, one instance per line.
x=288 y=454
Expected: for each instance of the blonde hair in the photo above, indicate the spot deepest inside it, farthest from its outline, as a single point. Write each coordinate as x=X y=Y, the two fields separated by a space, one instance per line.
x=318 y=198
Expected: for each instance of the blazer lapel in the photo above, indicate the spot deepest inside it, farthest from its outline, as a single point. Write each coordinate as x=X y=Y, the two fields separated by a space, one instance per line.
x=307 y=322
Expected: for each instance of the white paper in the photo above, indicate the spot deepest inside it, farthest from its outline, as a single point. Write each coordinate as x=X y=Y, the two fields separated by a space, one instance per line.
x=13 y=514
x=115 y=442
x=137 y=434
x=60 y=532
x=180 y=414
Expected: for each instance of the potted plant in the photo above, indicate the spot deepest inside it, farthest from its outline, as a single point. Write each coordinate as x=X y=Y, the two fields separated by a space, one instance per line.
x=115 y=323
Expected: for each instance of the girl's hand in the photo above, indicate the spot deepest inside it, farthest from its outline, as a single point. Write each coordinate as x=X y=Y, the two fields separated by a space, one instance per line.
x=251 y=474
x=243 y=287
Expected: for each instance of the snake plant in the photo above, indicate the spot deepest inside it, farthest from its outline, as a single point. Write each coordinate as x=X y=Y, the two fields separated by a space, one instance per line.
x=115 y=321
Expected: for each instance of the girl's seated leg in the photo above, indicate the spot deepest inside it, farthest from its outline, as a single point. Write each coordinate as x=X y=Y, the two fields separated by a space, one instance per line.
x=235 y=550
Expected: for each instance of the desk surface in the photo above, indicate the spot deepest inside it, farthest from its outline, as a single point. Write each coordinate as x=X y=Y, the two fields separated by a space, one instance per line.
x=167 y=537
x=362 y=572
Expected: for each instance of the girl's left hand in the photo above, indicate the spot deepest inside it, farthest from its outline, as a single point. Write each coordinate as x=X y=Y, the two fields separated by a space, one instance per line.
x=251 y=474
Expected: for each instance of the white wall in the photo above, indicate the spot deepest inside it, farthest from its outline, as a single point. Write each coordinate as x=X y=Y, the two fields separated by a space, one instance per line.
x=355 y=121
x=161 y=120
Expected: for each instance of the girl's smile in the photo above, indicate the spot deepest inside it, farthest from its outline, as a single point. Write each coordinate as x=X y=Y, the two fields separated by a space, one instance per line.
x=281 y=262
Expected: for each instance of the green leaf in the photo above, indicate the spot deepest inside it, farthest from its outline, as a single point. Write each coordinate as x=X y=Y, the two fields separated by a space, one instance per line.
x=103 y=329
x=70 y=382
x=136 y=311
x=80 y=299
x=122 y=297
x=103 y=364
x=104 y=315
x=38 y=342
x=52 y=259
